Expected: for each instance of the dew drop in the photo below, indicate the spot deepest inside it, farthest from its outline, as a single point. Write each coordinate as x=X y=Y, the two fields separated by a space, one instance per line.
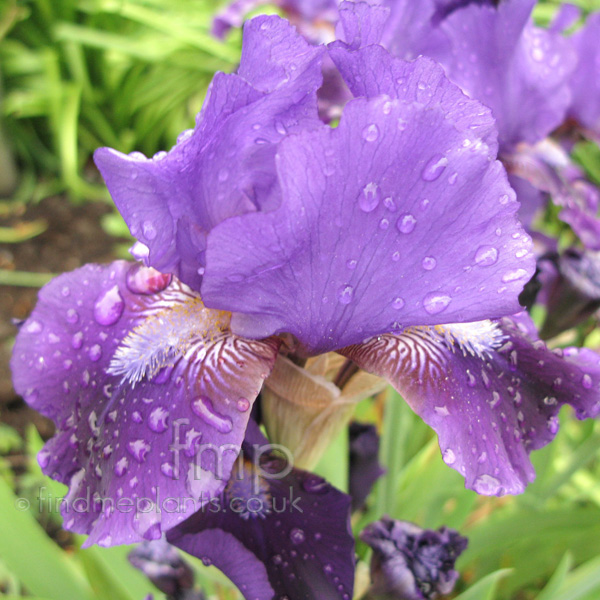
x=167 y=469
x=406 y=223
x=429 y=263
x=72 y=316
x=95 y=353
x=486 y=256
x=452 y=179
x=398 y=303
x=65 y=291
x=436 y=302
x=345 y=294
x=77 y=340
x=121 y=466
x=109 y=307
x=148 y=230
x=157 y=420
x=434 y=167
x=384 y=224
x=389 y=204
x=243 y=404
x=586 y=382
x=203 y=407
x=449 y=456
x=370 y=133
x=34 y=327
x=280 y=128
x=487 y=485
x=369 y=197
x=297 y=536
x=396 y=256
x=139 y=450
x=351 y=264
x=313 y=484
x=514 y=275
x=136 y=416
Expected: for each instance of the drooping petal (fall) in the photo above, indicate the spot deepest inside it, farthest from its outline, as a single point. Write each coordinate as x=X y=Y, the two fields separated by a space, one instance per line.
x=490 y=390
x=149 y=391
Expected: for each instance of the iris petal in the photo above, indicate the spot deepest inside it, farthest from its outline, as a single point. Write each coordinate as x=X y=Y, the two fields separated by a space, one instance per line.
x=171 y=201
x=393 y=195
x=275 y=531
x=491 y=399
x=130 y=425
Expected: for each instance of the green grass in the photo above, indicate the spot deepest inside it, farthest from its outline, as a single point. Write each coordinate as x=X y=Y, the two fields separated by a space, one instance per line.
x=82 y=74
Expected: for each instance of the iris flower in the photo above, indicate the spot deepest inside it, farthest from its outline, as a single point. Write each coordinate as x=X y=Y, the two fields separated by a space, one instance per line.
x=266 y=235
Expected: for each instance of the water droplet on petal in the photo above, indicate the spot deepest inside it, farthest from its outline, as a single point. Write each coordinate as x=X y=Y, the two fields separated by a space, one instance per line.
x=243 y=404
x=34 y=327
x=369 y=197
x=514 y=275
x=434 y=167
x=95 y=353
x=370 y=133
x=345 y=294
x=157 y=420
x=436 y=302
x=121 y=466
x=389 y=204
x=429 y=263
x=297 y=536
x=487 y=485
x=384 y=224
x=65 y=291
x=77 y=340
x=586 y=382
x=72 y=316
x=109 y=307
x=406 y=223
x=139 y=449
x=203 y=407
x=486 y=256
x=449 y=456
x=351 y=264
x=398 y=303
x=148 y=230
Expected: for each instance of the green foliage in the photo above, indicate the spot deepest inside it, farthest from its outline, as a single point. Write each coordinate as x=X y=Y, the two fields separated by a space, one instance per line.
x=82 y=74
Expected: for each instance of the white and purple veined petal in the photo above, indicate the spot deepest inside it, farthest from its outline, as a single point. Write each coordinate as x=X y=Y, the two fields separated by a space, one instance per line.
x=275 y=531
x=490 y=390
x=225 y=165
x=149 y=391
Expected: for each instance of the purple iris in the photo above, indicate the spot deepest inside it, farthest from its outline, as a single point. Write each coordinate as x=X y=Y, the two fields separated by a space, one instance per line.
x=410 y=563
x=391 y=239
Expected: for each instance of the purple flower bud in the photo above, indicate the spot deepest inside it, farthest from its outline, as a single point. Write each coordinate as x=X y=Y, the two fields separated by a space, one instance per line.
x=410 y=563
x=573 y=294
x=365 y=469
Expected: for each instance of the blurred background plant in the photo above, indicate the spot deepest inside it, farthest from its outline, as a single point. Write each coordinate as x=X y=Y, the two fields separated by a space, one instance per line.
x=132 y=74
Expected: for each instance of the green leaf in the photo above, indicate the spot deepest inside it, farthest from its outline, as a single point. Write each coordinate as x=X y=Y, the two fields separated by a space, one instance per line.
x=485 y=589
x=557 y=579
x=582 y=581
x=43 y=567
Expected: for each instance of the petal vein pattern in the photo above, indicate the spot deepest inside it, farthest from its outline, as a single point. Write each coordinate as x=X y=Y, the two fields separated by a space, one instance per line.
x=150 y=393
x=491 y=401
